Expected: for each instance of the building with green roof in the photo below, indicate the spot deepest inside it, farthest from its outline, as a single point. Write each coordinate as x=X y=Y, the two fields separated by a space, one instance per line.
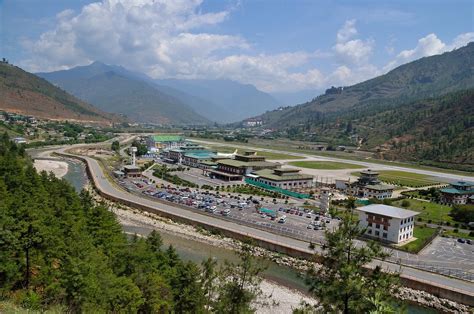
x=241 y=165
x=288 y=178
x=158 y=142
x=460 y=193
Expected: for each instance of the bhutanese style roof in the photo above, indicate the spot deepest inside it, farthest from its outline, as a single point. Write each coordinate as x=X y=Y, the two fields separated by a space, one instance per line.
x=200 y=155
x=271 y=175
x=456 y=191
x=379 y=187
x=243 y=164
x=167 y=138
x=389 y=211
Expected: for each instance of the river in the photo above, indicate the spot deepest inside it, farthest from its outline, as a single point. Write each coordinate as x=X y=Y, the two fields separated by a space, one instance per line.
x=197 y=251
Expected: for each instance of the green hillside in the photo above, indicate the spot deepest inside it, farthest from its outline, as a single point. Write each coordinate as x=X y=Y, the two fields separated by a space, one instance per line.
x=427 y=77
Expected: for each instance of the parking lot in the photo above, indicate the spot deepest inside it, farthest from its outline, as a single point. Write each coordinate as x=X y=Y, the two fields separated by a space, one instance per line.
x=288 y=220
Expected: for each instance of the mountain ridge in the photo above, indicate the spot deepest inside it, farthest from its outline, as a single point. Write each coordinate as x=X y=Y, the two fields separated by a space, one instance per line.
x=25 y=93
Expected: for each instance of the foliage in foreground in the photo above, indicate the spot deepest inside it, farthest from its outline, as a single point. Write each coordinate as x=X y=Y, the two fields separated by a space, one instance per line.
x=60 y=250
x=342 y=284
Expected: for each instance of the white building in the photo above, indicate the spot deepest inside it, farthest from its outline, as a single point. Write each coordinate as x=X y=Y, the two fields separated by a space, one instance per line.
x=387 y=223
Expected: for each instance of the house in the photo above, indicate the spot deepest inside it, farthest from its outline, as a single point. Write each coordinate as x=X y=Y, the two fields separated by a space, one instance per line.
x=240 y=166
x=19 y=140
x=460 y=192
x=387 y=223
x=288 y=179
x=177 y=155
x=131 y=171
x=161 y=142
x=368 y=186
x=252 y=122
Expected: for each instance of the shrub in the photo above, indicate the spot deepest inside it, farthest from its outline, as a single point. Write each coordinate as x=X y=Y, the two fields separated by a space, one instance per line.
x=456 y=230
x=405 y=203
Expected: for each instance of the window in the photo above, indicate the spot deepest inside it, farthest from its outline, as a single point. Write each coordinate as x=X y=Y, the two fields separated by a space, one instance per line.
x=385 y=228
x=377 y=233
x=369 y=231
x=384 y=235
x=377 y=226
x=370 y=224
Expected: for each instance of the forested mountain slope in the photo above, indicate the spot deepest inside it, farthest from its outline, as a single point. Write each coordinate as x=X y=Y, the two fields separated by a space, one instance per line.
x=28 y=94
x=427 y=77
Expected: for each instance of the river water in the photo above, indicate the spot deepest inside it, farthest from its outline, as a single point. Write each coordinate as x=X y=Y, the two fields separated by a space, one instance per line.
x=197 y=251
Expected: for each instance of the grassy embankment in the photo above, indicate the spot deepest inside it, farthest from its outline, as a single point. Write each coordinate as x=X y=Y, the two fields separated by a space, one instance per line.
x=429 y=212
x=422 y=235
x=325 y=165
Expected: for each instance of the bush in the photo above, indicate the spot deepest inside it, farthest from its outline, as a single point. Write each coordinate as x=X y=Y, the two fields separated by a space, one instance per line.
x=456 y=230
x=429 y=221
x=419 y=219
x=405 y=203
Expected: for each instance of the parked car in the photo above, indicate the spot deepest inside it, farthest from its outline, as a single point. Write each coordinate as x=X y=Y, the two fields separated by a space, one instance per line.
x=460 y=240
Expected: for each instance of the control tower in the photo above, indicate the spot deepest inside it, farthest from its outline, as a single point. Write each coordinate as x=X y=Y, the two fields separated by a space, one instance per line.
x=133 y=150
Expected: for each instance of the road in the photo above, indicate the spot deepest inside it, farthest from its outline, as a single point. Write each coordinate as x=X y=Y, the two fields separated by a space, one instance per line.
x=309 y=157
x=107 y=187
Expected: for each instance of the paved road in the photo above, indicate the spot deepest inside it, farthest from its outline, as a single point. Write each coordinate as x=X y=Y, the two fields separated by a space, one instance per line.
x=109 y=188
x=448 y=176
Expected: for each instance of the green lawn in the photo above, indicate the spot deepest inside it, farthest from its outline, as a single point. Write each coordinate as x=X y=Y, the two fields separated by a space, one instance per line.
x=268 y=155
x=458 y=234
x=422 y=234
x=428 y=211
x=326 y=165
x=403 y=178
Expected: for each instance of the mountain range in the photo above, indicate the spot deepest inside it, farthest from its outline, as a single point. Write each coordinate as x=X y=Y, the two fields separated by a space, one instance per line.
x=25 y=93
x=423 y=78
x=115 y=89
x=379 y=113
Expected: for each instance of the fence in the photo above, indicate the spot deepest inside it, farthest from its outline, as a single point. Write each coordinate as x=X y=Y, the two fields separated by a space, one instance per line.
x=277 y=189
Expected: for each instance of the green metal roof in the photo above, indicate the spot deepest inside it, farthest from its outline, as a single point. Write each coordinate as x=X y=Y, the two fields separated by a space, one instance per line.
x=456 y=191
x=200 y=155
x=167 y=138
x=242 y=164
x=270 y=175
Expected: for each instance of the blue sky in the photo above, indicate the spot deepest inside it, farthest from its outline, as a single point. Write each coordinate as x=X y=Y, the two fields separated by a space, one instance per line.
x=281 y=46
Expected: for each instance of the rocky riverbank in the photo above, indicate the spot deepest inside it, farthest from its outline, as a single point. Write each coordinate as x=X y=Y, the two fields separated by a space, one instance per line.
x=57 y=167
x=288 y=299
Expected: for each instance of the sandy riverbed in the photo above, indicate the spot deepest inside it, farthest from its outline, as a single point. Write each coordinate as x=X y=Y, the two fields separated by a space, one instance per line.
x=58 y=168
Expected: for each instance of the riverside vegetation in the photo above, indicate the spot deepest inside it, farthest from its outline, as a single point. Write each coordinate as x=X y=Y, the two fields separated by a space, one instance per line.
x=59 y=249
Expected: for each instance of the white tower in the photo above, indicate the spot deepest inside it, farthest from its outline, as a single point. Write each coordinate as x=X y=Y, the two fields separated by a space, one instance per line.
x=325 y=196
x=134 y=150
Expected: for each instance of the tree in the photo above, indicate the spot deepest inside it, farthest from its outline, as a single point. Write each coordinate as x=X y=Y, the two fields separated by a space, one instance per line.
x=116 y=146
x=240 y=284
x=342 y=283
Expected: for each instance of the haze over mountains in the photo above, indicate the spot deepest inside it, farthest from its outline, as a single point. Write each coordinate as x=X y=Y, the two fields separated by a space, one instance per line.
x=118 y=90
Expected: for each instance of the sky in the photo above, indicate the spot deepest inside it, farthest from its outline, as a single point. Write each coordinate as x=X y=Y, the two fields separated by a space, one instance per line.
x=280 y=46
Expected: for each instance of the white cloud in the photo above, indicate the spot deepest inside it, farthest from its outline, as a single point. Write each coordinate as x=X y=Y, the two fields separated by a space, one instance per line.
x=174 y=39
x=428 y=46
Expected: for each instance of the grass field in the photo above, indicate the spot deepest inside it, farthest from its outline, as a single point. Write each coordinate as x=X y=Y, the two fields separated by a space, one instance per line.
x=458 y=234
x=325 y=165
x=268 y=155
x=403 y=178
x=428 y=211
x=422 y=234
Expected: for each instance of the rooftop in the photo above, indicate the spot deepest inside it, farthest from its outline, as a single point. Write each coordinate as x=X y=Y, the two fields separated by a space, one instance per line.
x=456 y=191
x=167 y=138
x=273 y=175
x=463 y=183
x=379 y=187
x=389 y=211
x=241 y=164
x=369 y=172
x=130 y=167
x=200 y=154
